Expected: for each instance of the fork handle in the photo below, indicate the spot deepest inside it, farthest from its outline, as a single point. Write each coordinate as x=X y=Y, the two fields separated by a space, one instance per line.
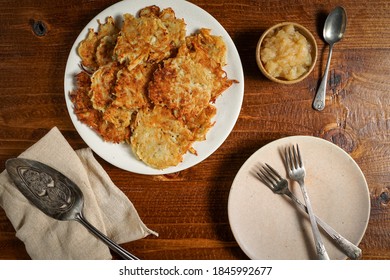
x=320 y=248
x=350 y=249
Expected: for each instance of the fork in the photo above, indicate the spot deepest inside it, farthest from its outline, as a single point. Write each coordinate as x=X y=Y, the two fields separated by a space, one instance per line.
x=279 y=185
x=296 y=172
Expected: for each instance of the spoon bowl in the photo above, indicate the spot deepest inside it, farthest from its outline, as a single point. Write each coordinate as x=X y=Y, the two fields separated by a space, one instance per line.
x=335 y=26
x=55 y=195
x=334 y=29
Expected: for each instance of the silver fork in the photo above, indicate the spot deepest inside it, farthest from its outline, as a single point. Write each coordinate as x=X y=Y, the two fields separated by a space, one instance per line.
x=296 y=172
x=279 y=185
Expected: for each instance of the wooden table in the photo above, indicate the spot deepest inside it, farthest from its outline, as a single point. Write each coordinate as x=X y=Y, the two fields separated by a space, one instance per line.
x=189 y=209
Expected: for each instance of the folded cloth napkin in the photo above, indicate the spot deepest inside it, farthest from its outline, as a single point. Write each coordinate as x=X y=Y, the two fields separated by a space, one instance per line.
x=105 y=206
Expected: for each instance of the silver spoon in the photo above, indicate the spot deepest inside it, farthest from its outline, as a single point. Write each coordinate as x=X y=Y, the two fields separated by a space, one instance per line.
x=55 y=195
x=334 y=29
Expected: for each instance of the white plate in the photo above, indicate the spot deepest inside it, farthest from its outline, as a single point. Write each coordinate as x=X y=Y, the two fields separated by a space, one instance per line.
x=228 y=105
x=270 y=226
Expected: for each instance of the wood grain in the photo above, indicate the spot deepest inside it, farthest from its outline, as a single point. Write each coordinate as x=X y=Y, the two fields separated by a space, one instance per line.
x=189 y=208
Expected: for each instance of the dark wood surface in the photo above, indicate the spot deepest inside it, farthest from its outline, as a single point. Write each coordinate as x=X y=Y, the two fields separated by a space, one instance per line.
x=189 y=208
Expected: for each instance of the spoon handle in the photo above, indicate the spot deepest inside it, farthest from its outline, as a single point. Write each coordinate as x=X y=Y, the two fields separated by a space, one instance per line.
x=115 y=247
x=319 y=100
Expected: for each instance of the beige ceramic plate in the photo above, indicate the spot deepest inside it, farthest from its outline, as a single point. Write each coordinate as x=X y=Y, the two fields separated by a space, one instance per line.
x=269 y=226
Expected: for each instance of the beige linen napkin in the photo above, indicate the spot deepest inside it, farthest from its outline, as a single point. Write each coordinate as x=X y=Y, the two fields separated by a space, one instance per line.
x=105 y=206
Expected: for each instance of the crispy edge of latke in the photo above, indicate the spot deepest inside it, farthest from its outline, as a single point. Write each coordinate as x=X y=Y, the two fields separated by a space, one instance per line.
x=83 y=109
x=87 y=48
x=82 y=105
x=175 y=26
x=211 y=44
x=201 y=124
x=149 y=11
x=111 y=133
x=88 y=57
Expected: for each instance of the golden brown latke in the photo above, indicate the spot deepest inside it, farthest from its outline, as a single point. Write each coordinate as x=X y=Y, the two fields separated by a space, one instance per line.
x=97 y=49
x=85 y=112
x=159 y=139
x=131 y=86
x=82 y=102
x=151 y=37
x=214 y=46
x=188 y=82
x=102 y=86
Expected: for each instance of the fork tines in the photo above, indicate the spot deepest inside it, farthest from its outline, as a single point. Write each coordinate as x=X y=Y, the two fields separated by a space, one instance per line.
x=293 y=157
x=268 y=175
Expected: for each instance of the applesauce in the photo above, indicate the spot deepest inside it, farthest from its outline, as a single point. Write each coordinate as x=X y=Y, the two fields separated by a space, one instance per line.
x=286 y=53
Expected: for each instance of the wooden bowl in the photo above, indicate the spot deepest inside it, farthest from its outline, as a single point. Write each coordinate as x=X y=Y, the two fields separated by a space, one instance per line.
x=310 y=39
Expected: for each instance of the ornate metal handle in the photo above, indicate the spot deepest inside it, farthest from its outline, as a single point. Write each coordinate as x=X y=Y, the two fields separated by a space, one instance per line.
x=321 y=251
x=350 y=249
x=115 y=247
x=319 y=100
